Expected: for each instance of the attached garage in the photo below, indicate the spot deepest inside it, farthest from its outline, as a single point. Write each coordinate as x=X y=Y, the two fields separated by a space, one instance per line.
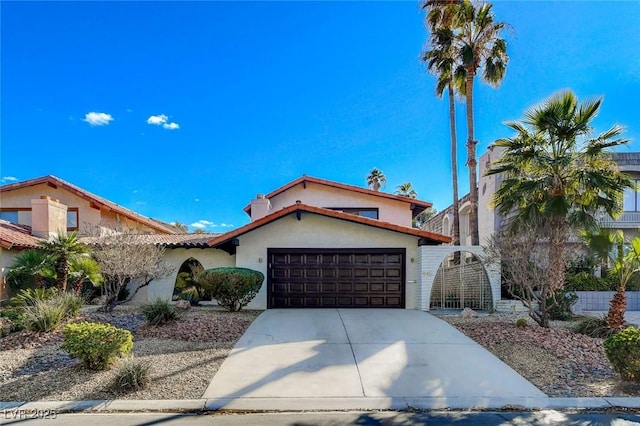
x=336 y=278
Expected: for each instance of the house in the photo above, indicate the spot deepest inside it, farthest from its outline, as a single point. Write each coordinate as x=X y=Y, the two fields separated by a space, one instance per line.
x=319 y=243
x=489 y=220
x=35 y=209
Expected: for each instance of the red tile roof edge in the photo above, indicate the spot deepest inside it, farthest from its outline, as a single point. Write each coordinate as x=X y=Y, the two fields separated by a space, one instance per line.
x=329 y=213
x=415 y=202
x=152 y=223
x=16 y=236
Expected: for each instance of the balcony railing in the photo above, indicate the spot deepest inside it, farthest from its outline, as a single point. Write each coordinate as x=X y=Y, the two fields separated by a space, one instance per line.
x=626 y=221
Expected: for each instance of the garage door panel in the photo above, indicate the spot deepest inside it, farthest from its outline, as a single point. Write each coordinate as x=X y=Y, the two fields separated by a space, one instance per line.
x=316 y=278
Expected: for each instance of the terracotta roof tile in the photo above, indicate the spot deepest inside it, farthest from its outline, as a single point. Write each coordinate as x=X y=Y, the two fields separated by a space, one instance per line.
x=329 y=213
x=16 y=236
x=168 y=241
x=417 y=206
x=92 y=198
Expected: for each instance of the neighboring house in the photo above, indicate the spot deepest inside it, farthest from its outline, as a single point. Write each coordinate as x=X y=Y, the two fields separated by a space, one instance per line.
x=319 y=243
x=489 y=220
x=35 y=209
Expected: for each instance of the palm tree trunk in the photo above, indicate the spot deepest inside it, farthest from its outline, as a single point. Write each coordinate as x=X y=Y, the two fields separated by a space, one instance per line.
x=62 y=273
x=617 y=308
x=471 y=161
x=454 y=173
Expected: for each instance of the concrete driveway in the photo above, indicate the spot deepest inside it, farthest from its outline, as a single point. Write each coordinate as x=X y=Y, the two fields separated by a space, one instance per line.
x=370 y=357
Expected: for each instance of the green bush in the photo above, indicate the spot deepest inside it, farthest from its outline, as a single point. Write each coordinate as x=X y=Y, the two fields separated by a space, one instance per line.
x=594 y=327
x=71 y=301
x=521 y=322
x=16 y=315
x=29 y=296
x=565 y=299
x=232 y=288
x=623 y=351
x=159 y=312
x=586 y=281
x=97 y=345
x=132 y=374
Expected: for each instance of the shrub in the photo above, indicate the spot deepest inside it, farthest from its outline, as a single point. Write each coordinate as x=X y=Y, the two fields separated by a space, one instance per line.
x=71 y=301
x=29 y=296
x=586 y=281
x=44 y=315
x=132 y=374
x=232 y=288
x=15 y=315
x=564 y=299
x=521 y=322
x=594 y=327
x=97 y=345
x=159 y=312
x=623 y=351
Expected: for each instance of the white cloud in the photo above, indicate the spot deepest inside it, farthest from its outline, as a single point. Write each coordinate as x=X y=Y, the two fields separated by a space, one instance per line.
x=141 y=203
x=197 y=200
x=97 y=118
x=226 y=225
x=201 y=224
x=157 y=119
x=171 y=126
x=129 y=110
x=9 y=179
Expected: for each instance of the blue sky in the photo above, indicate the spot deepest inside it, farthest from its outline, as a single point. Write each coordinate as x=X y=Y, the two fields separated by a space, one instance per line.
x=184 y=111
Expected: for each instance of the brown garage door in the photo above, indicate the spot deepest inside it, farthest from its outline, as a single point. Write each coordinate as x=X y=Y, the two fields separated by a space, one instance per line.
x=335 y=278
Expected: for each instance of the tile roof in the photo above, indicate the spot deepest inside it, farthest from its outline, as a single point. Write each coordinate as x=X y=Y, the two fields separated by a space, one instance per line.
x=417 y=206
x=224 y=238
x=16 y=236
x=168 y=241
x=92 y=198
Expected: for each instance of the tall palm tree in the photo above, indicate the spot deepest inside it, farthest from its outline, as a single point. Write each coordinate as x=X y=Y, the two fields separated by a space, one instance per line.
x=406 y=190
x=441 y=63
x=62 y=248
x=479 y=46
x=555 y=172
x=376 y=179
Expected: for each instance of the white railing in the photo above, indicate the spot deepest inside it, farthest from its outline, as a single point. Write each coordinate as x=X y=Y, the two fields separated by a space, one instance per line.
x=627 y=220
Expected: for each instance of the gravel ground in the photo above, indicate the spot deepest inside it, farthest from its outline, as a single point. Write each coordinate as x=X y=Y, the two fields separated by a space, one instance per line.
x=184 y=357
x=559 y=362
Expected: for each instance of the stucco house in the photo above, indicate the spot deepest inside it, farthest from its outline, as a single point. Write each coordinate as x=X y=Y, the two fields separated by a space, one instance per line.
x=319 y=243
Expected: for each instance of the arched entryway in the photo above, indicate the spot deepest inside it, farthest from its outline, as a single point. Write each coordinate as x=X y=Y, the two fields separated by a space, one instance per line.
x=186 y=285
x=461 y=282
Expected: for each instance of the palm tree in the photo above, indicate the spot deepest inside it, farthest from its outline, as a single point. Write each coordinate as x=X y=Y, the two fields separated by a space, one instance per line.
x=406 y=190
x=478 y=45
x=376 y=179
x=441 y=63
x=62 y=248
x=84 y=268
x=555 y=172
x=30 y=265
x=608 y=244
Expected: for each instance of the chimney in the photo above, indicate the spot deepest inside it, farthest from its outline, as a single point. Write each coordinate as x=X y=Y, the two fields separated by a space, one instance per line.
x=260 y=207
x=48 y=217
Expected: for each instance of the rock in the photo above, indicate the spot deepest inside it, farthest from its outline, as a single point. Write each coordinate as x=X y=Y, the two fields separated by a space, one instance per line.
x=468 y=313
x=99 y=300
x=6 y=326
x=183 y=304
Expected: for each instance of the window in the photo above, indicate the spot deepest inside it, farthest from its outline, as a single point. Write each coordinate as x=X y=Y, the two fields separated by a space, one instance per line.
x=9 y=215
x=371 y=213
x=72 y=219
x=631 y=201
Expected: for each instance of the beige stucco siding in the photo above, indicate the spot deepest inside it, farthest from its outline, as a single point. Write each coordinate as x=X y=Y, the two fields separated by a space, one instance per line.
x=315 y=231
x=7 y=257
x=87 y=215
x=163 y=289
x=391 y=211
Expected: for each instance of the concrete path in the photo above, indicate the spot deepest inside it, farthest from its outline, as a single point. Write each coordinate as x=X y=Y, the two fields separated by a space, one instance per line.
x=365 y=358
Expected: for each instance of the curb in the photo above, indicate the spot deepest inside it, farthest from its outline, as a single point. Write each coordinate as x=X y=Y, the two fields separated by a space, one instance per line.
x=324 y=404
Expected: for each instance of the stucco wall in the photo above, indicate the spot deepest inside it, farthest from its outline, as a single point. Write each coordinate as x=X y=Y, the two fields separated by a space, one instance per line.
x=315 y=231
x=391 y=211
x=21 y=198
x=6 y=257
x=163 y=289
